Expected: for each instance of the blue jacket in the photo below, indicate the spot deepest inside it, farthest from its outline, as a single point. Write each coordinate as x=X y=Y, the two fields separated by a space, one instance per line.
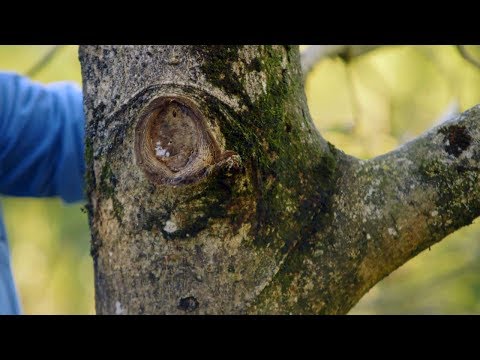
x=41 y=153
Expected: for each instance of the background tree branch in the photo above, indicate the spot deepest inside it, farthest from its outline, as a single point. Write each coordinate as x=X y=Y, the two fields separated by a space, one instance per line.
x=315 y=53
x=44 y=61
x=467 y=56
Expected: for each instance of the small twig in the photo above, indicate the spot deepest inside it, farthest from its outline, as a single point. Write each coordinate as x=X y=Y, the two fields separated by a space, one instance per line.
x=352 y=93
x=313 y=54
x=467 y=56
x=39 y=65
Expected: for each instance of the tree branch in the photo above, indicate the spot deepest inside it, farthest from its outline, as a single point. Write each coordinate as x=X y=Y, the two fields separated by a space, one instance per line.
x=44 y=61
x=315 y=53
x=400 y=203
x=467 y=56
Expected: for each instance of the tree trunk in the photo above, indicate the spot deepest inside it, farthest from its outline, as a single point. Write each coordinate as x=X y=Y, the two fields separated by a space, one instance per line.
x=211 y=192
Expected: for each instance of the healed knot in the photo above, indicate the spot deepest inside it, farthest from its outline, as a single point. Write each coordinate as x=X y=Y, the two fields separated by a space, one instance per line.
x=172 y=142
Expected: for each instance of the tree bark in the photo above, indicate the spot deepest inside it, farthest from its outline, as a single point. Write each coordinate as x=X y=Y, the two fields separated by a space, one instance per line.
x=211 y=192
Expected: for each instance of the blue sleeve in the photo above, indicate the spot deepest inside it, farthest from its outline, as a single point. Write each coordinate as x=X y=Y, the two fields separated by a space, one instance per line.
x=41 y=138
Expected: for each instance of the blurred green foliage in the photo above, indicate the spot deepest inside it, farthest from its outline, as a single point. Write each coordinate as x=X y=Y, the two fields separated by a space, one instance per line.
x=366 y=107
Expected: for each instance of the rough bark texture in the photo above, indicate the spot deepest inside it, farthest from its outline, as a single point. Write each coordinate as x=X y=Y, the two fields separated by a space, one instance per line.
x=211 y=191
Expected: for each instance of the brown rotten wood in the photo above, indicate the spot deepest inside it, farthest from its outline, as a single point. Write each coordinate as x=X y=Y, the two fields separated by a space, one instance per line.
x=211 y=191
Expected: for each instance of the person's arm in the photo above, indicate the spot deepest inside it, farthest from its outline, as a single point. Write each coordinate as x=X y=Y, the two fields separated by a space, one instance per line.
x=41 y=138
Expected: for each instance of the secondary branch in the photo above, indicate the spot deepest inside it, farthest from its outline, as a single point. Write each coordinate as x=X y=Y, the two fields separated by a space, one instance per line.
x=400 y=203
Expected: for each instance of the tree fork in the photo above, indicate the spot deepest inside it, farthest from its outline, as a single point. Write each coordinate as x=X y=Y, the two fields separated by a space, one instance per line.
x=211 y=192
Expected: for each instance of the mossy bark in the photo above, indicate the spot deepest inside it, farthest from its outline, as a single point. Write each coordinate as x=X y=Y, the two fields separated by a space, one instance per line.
x=255 y=212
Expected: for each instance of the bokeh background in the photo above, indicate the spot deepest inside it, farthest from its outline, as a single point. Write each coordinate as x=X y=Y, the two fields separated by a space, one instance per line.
x=368 y=106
